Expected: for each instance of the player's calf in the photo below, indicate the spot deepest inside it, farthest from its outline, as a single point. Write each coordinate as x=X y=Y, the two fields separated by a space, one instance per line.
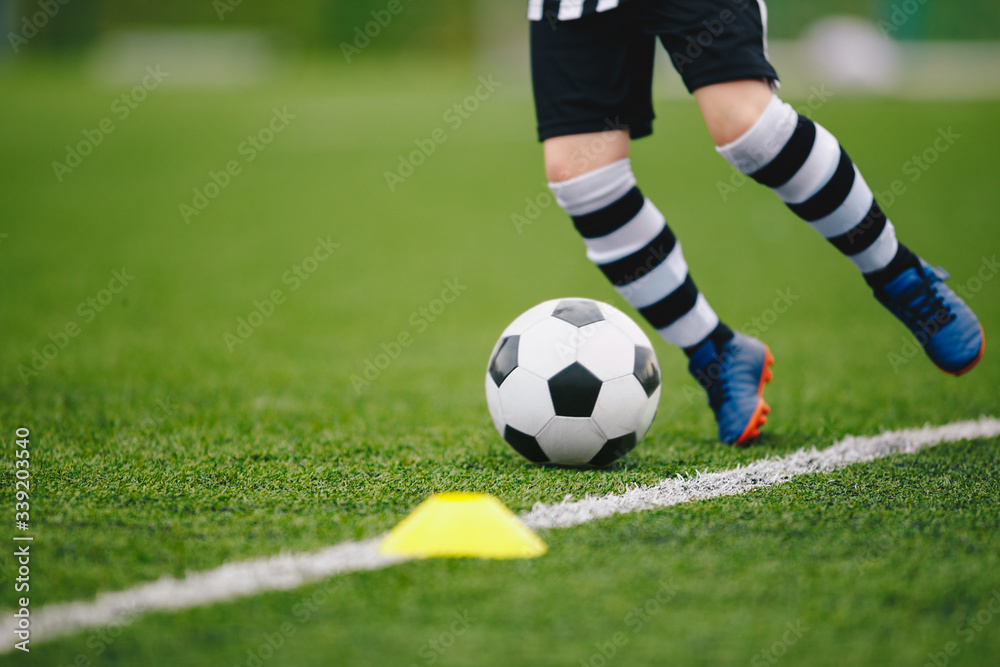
x=811 y=172
x=628 y=239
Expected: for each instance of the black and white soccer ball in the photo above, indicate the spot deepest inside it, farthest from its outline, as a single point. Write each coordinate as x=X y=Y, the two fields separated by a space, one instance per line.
x=573 y=382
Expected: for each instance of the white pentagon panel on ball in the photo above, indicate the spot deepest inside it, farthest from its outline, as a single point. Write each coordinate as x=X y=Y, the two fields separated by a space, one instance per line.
x=606 y=351
x=548 y=346
x=530 y=317
x=571 y=440
x=647 y=414
x=620 y=406
x=626 y=324
x=525 y=401
x=493 y=403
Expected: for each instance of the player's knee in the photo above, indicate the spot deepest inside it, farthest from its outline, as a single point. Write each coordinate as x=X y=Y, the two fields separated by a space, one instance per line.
x=571 y=156
x=732 y=108
x=733 y=123
x=559 y=169
x=731 y=127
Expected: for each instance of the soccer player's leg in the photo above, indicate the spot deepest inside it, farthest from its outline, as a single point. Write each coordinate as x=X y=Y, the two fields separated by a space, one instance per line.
x=720 y=49
x=743 y=367
x=592 y=81
x=627 y=237
x=810 y=171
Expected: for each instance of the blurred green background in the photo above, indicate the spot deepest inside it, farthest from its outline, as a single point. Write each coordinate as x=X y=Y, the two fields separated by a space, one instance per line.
x=444 y=26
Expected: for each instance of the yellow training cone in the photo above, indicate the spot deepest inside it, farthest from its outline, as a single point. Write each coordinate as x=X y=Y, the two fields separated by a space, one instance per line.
x=459 y=524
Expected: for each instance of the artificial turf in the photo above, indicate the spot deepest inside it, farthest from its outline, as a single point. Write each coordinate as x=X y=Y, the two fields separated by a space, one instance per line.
x=160 y=446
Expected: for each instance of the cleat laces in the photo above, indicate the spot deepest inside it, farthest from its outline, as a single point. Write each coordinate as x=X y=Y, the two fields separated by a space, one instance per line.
x=921 y=303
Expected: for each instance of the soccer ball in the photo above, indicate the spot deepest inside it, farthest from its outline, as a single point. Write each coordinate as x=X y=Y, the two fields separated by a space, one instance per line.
x=573 y=382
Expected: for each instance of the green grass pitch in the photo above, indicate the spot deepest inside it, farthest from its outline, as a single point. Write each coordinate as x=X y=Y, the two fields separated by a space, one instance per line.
x=299 y=362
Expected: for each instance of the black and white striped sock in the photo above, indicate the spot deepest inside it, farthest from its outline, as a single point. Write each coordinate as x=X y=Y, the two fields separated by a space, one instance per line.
x=629 y=240
x=810 y=171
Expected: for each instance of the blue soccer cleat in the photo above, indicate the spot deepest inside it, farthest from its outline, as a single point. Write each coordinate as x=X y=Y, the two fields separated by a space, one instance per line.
x=948 y=330
x=734 y=380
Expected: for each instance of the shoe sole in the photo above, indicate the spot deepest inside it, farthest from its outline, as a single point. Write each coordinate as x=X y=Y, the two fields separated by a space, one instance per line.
x=758 y=418
x=982 y=348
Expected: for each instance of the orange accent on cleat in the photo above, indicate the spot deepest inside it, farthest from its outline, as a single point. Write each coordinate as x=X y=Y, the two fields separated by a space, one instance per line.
x=982 y=348
x=757 y=419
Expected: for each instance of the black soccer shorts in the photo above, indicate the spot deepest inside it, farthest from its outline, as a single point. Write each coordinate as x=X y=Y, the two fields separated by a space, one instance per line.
x=596 y=73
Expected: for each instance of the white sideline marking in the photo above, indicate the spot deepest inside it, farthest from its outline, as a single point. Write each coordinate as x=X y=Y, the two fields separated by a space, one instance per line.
x=287 y=571
x=226 y=582
x=759 y=474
